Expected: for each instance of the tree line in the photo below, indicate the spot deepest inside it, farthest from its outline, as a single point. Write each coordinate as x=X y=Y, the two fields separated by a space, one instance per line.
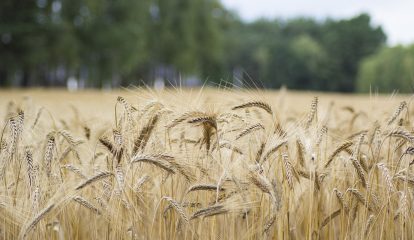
x=108 y=43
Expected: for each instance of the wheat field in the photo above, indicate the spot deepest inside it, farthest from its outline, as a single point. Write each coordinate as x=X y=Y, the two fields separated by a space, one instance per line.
x=205 y=164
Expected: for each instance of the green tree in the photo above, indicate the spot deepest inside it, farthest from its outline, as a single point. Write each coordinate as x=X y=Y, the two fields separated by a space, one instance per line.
x=208 y=38
x=248 y=48
x=185 y=36
x=23 y=42
x=309 y=59
x=171 y=37
x=107 y=42
x=296 y=55
x=347 y=42
x=111 y=36
x=389 y=70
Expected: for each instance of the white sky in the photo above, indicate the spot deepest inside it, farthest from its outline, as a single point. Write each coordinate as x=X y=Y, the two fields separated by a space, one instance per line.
x=396 y=17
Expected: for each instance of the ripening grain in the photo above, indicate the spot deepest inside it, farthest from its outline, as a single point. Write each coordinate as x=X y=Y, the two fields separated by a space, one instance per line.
x=211 y=164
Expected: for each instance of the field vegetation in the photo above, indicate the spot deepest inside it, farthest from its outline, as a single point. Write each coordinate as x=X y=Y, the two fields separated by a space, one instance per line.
x=208 y=164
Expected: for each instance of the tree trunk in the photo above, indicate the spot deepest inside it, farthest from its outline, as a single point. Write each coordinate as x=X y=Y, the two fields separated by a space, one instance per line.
x=26 y=78
x=4 y=82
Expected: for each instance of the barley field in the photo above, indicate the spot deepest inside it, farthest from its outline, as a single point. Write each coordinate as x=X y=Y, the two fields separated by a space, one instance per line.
x=205 y=164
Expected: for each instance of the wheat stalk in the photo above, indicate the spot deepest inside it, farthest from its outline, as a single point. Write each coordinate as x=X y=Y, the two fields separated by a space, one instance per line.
x=250 y=129
x=39 y=112
x=233 y=148
x=397 y=112
x=369 y=224
x=204 y=187
x=74 y=169
x=209 y=211
x=402 y=134
x=338 y=150
x=141 y=141
x=178 y=208
x=288 y=170
x=312 y=113
x=361 y=198
x=341 y=199
x=154 y=160
x=36 y=220
x=269 y=223
x=85 y=203
x=127 y=107
x=204 y=119
x=300 y=152
x=387 y=177
x=257 y=104
x=30 y=167
x=93 y=179
x=48 y=157
x=70 y=138
x=184 y=117
x=140 y=182
x=273 y=150
x=330 y=217
x=322 y=132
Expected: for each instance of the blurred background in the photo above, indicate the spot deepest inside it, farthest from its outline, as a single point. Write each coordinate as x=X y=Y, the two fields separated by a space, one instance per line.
x=342 y=46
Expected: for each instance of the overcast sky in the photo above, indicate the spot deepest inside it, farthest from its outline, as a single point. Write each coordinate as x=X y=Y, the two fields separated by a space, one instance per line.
x=396 y=17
